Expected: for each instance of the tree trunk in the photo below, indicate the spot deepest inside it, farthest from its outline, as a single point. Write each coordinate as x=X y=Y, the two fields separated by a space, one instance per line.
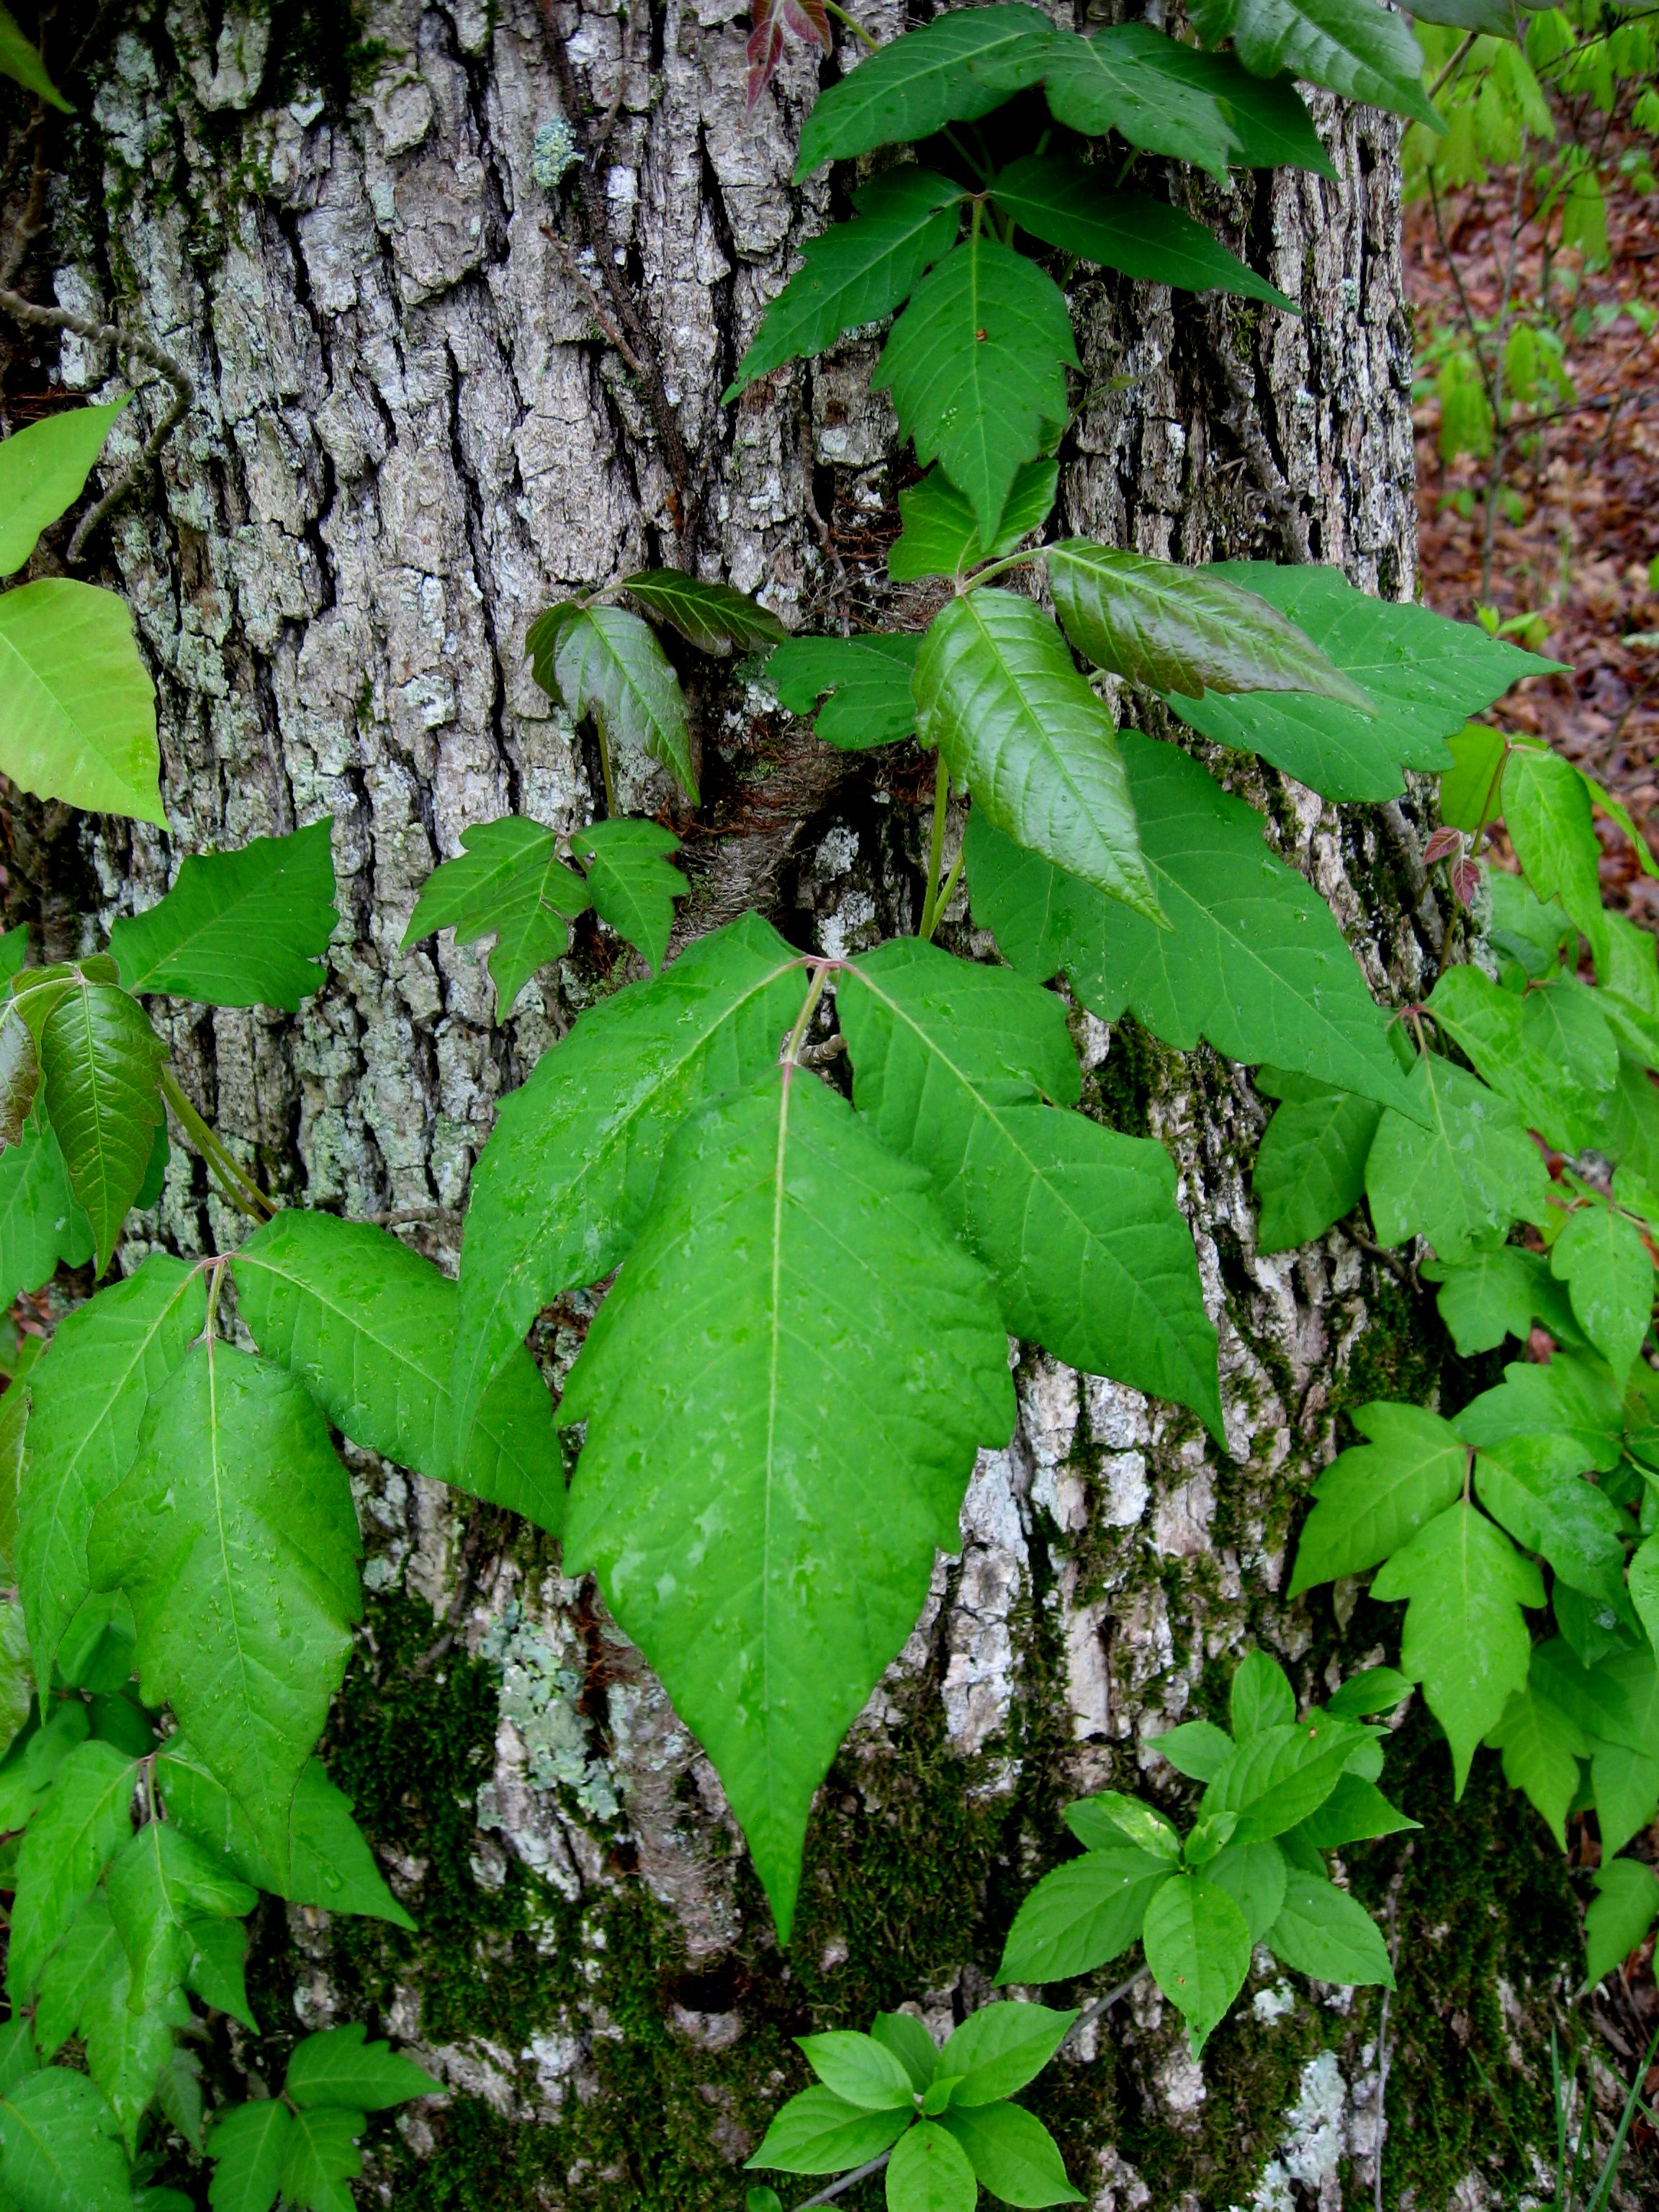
x=432 y=395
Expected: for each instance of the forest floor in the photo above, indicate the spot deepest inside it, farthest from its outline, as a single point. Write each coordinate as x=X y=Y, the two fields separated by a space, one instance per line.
x=1574 y=539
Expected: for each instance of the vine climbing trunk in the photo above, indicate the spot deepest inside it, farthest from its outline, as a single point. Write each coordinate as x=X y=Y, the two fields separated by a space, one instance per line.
x=456 y=290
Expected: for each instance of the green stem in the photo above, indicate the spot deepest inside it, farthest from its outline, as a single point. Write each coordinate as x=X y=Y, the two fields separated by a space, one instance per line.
x=995 y=568
x=216 y=1281
x=804 y=1019
x=239 y=1187
x=857 y=29
x=935 y=850
x=942 y=904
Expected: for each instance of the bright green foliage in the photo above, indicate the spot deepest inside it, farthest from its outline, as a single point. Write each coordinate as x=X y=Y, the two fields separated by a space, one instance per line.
x=1570 y=1399
x=819 y=2132
x=1555 y=1513
x=605 y=662
x=857 y=272
x=66 y=1847
x=238 y=929
x=1199 y=1949
x=235 y=1539
x=1267 y=116
x=159 y=1883
x=1251 y=960
x=1376 y=1497
x=1065 y=204
x=712 y=617
x=21 y=63
x=1459 y=1171
x=1261 y=1696
x=1468 y=790
x=1550 y=1049
x=976 y=365
x=1602 y=1258
x=60 y=2150
x=247 y=2144
x=1012 y=2155
x=508 y=881
x=338 y=2067
x=368 y=1326
x=1621 y=1917
x=814 y=1488
x=631 y=882
x=41 y=1221
x=1425 y=676
x=1311 y=1166
x=940 y=536
x=44 y=467
x=961 y=65
x=1361 y=51
x=1129 y=79
x=863 y=681
x=1320 y=1930
x=930 y=2172
x=79 y=718
x=1547 y=811
x=560 y=1189
x=303 y=2143
x=1079 y=1226
x=1170 y=629
x=99 y=1061
x=999 y=2049
x=1465 y=1638
x=1019 y=729
x=1083 y=1914
x=1541 y=1747
x=88 y=1395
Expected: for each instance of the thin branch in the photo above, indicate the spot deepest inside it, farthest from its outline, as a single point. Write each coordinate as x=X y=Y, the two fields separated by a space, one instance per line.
x=1455 y=63
x=843 y=2182
x=1093 y=2012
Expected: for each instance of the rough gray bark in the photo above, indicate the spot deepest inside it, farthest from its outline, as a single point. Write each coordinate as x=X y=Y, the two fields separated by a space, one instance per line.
x=414 y=428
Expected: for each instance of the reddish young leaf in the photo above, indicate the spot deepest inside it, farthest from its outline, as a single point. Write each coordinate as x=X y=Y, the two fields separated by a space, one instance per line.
x=777 y=21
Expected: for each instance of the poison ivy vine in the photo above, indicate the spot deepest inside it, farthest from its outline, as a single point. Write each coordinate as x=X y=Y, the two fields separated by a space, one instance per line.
x=821 y=1236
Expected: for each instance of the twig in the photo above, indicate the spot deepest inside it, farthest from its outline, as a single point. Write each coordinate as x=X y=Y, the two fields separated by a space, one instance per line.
x=1455 y=63
x=845 y=2181
x=1104 y=2004
x=238 y=1186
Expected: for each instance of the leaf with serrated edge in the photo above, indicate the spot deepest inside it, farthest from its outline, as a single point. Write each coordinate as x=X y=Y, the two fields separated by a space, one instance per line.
x=1082 y=1915
x=1012 y=2154
x=1549 y=1051
x=235 y=1539
x=1176 y=629
x=1627 y=1787
x=1376 y=1496
x=89 y=1958
x=60 y=2150
x=1459 y=1171
x=1198 y=1946
x=159 y=1882
x=1269 y=117
x=1620 y=1916
x=247 y=928
x=1106 y=1821
x=1557 y=1514
x=1253 y=961
x=1541 y=1747
x=1465 y=1638
x=818 y=2132
x=1001 y=2047
x=1546 y=813
x=940 y=536
x=507 y=882
x=976 y=365
x=607 y=663
x=1277 y=1776
x=246 y=2144
x=1309 y=1167
x=66 y=1848
x=1322 y=1930
x=1425 y=676
x=1066 y=204
x=1358 y=50
x=78 y=721
x=864 y=683
x=1078 y=1224
x=1355 y=1811
x=712 y=617
x=630 y=881
x=1261 y=1696
x=1123 y=79
x=338 y=2067
x=1019 y=729
x=1252 y=1875
x=958 y=67
x=1497 y=1294
x=859 y=2068
x=723 y=1428
x=319 y=2154
x=88 y=1395
x=99 y=1065
x=857 y=272
x=41 y=1221
x=559 y=1190
x=1568 y=1403
x=44 y=467
x=369 y=1329
x=1602 y=1258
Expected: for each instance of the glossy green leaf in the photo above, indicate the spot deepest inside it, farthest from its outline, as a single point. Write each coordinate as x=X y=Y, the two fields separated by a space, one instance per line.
x=1615 y=1702
x=1078 y=1226
x=67 y=1846
x=630 y=881
x=338 y=2067
x=214 y=1951
x=1465 y=1638
x=88 y=1959
x=1357 y=49
x=1252 y=1875
x=858 y=687
x=1001 y=2047
x=247 y=928
x=712 y=617
x=1198 y=1749
x=560 y=1189
x=1068 y=204
x=235 y=1538
x=1627 y=1787
x=1280 y=1775
x=818 y=2132
x=160 y=1881
x=1557 y=1514
x=507 y=883
x=44 y=466
x=1376 y=1496
x=1199 y=1949
x=1469 y=788
x=1323 y=1932
x=1012 y=2154
x=1603 y=1259
x=1497 y=1293
x=1178 y=630
x=908 y=2039
x=368 y=1326
x=16 y=1675
x=1261 y=1696
x=1309 y=1167
x=1541 y=1747
x=21 y=63
x=958 y=67
x=42 y=1224
x=940 y=536
x=20 y=1073
x=1373 y=1690
x=1460 y=1172
x=1019 y=729
x=1252 y=960
x=605 y=662
x=1550 y=1051
x=858 y=272
x=100 y=1063
x=1082 y=1915
x=247 y=2144
x=1546 y=813
x=60 y=2150
x=87 y=1393
x=1355 y=1811
x=1107 y=1820
x=1269 y=119
x=320 y=2155
x=1127 y=79
x=1628 y=973
x=78 y=721
x=721 y=1432
x=1425 y=676
x=1569 y=1401
x=930 y=2172
x=859 y=2070
x=976 y=365
x=1620 y=1916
